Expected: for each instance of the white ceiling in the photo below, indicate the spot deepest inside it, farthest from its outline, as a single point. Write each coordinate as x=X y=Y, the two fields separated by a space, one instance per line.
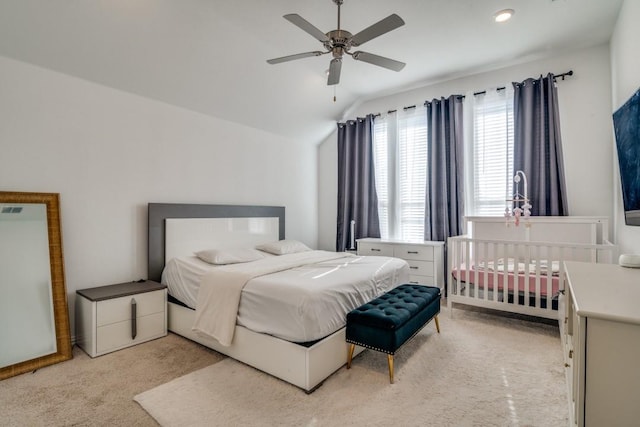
x=210 y=55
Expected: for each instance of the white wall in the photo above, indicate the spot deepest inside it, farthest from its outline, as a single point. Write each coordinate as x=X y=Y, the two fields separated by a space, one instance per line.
x=328 y=192
x=585 y=115
x=625 y=73
x=108 y=153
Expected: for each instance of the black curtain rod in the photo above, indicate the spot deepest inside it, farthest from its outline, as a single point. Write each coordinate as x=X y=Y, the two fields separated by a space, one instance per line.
x=393 y=111
x=555 y=77
x=563 y=75
x=482 y=92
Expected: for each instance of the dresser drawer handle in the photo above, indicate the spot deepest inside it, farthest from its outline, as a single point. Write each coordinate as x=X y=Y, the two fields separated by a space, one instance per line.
x=413 y=267
x=375 y=250
x=413 y=252
x=134 y=328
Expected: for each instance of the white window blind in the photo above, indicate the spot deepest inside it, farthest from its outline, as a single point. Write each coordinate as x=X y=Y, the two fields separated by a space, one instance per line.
x=492 y=152
x=382 y=166
x=400 y=146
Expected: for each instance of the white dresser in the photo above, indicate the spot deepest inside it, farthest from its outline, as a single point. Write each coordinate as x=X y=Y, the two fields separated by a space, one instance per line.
x=425 y=258
x=601 y=341
x=112 y=317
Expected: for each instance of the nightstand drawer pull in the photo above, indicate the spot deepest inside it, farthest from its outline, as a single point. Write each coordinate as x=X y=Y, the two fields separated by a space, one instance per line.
x=375 y=250
x=413 y=252
x=134 y=309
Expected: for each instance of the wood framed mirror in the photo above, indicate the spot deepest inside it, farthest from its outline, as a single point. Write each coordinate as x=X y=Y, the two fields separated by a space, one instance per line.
x=34 y=316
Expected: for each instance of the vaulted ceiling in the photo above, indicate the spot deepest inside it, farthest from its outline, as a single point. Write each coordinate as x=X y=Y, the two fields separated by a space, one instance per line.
x=210 y=55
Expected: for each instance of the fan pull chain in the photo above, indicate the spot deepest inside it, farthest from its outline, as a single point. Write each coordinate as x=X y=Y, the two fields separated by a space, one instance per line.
x=334 y=93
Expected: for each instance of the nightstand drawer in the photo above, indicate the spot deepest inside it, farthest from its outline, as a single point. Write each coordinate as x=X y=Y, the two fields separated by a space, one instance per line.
x=119 y=309
x=420 y=268
x=374 y=249
x=115 y=336
x=424 y=253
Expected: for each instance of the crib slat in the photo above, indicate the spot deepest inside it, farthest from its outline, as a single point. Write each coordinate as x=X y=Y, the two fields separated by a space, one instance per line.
x=467 y=253
x=474 y=292
x=502 y=251
x=525 y=288
x=538 y=259
x=485 y=255
x=497 y=289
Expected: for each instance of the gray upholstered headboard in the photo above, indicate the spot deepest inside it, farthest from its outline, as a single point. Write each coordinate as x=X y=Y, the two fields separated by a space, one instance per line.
x=158 y=212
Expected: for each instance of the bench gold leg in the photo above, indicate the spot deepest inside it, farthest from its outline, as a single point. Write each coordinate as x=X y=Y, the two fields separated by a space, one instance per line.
x=351 y=348
x=390 y=361
x=437 y=323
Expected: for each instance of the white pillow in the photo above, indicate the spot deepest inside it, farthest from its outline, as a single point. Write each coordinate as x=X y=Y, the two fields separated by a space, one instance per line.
x=229 y=255
x=283 y=247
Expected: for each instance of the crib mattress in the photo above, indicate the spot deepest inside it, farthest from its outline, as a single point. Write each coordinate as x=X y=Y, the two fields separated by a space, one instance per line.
x=509 y=281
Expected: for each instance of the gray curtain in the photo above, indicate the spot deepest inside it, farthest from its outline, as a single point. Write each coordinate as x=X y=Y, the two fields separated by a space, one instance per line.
x=537 y=148
x=445 y=164
x=357 y=198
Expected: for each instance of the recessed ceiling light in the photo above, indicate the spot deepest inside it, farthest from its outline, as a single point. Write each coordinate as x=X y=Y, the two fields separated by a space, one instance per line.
x=503 y=15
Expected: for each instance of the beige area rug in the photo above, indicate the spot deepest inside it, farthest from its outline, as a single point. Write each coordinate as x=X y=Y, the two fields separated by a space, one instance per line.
x=482 y=370
x=99 y=392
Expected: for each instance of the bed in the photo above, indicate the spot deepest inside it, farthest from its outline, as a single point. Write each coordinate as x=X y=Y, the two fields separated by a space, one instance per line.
x=302 y=350
x=521 y=269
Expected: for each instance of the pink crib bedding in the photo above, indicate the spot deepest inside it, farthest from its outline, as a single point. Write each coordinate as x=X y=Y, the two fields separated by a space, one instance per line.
x=515 y=280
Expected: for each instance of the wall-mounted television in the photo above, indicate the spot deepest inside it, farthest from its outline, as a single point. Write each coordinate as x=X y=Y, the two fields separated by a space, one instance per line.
x=626 y=123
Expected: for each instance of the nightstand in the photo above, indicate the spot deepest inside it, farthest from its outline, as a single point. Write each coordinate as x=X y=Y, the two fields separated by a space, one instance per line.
x=109 y=318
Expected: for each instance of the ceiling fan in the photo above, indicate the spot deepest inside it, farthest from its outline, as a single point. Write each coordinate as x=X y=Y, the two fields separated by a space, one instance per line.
x=339 y=42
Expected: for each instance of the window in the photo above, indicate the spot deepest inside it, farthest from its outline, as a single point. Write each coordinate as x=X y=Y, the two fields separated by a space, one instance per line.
x=400 y=150
x=492 y=153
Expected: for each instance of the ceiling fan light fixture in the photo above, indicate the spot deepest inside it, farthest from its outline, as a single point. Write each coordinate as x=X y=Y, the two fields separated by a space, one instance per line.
x=503 y=15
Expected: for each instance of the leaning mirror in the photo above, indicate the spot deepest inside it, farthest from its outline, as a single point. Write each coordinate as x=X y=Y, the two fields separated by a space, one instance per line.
x=34 y=317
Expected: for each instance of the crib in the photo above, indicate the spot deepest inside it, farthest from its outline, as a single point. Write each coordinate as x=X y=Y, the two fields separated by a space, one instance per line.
x=520 y=269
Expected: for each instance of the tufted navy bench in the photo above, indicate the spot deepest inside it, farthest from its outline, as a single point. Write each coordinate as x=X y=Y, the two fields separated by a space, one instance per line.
x=390 y=320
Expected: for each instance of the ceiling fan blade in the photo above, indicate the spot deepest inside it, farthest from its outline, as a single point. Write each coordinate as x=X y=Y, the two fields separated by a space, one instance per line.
x=334 y=71
x=304 y=25
x=294 y=57
x=389 y=23
x=380 y=61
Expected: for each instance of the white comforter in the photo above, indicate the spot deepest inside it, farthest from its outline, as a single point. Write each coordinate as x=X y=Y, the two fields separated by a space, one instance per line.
x=220 y=289
x=303 y=303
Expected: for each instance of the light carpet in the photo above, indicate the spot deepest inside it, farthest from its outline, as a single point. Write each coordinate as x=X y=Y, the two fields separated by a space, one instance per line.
x=482 y=370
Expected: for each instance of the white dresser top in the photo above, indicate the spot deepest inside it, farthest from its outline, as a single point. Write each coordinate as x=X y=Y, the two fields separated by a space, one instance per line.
x=400 y=242
x=605 y=291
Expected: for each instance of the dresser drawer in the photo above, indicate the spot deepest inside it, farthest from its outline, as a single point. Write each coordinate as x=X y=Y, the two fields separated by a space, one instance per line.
x=424 y=253
x=375 y=249
x=420 y=268
x=119 y=309
x=115 y=336
x=423 y=280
